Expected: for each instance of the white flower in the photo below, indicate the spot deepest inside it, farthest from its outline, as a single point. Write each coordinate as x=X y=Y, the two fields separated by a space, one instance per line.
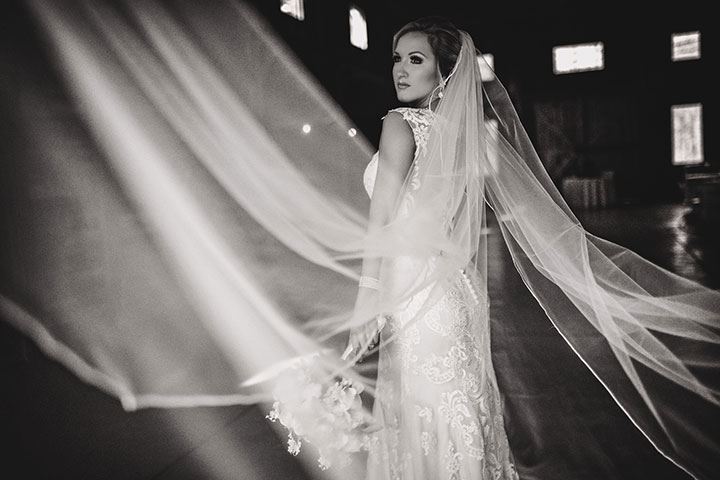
x=331 y=419
x=293 y=444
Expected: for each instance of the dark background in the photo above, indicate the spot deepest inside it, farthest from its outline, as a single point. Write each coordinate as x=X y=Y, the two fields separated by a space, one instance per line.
x=582 y=123
x=615 y=119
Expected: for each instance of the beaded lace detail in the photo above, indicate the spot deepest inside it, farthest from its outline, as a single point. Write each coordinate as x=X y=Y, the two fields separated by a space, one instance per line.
x=419 y=120
x=437 y=396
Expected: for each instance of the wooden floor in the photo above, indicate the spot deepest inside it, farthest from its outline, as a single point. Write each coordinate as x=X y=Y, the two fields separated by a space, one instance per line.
x=56 y=427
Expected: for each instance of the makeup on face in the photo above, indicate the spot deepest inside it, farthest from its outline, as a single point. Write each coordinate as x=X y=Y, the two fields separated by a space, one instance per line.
x=415 y=71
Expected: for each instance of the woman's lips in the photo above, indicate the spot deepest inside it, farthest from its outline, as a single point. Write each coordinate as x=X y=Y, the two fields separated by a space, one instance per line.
x=402 y=86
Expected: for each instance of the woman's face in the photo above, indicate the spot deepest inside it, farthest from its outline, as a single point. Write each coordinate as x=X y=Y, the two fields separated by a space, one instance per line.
x=415 y=69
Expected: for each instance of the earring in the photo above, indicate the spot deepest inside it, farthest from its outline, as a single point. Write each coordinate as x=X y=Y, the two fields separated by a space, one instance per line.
x=440 y=86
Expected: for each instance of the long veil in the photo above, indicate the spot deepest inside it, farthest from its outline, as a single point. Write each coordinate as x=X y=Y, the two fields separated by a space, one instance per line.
x=215 y=229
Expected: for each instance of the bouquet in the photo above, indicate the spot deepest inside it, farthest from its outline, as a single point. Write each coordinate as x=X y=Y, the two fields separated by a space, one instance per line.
x=328 y=416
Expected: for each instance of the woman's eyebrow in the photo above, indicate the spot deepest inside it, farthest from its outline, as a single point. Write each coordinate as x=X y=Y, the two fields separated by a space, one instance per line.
x=411 y=53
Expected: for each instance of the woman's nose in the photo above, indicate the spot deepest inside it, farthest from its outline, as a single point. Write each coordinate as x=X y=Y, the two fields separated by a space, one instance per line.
x=401 y=71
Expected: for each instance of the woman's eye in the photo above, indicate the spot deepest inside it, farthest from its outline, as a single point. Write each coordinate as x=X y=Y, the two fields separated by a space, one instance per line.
x=396 y=58
x=416 y=60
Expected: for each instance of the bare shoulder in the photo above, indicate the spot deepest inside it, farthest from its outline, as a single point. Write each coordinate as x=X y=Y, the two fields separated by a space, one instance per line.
x=396 y=123
x=396 y=139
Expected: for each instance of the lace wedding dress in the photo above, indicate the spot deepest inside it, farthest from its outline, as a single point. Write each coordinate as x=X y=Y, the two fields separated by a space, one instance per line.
x=437 y=396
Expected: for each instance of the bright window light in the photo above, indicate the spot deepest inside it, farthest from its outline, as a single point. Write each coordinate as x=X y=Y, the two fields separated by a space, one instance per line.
x=487 y=65
x=685 y=46
x=358 y=29
x=578 y=58
x=687 y=134
x=306 y=128
x=294 y=8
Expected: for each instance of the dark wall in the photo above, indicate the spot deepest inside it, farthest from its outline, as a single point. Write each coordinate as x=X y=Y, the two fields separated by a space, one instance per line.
x=617 y=119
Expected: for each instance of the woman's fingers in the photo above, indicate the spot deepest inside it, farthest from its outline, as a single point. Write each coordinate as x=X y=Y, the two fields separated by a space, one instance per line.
x=348 y=351
x=361 y=339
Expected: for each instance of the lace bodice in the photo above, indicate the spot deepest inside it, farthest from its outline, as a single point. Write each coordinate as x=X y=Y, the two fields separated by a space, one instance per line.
x=419 y=120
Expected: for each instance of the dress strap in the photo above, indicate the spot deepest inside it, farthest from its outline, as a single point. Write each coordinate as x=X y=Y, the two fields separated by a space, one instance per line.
x=419 y=120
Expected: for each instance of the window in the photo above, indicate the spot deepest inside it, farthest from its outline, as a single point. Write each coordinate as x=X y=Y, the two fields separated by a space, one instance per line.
x=578 y=58
x=687 y=134
x=358 y=29
x=294 y=8
x=487 y=65
x=685 y=46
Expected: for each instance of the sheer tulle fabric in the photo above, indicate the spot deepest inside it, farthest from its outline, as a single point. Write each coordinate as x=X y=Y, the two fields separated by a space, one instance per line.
x=233 y=238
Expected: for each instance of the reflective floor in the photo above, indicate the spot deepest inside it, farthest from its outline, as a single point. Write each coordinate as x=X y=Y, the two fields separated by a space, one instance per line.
x=537 y=372
x=55 y=426
x=668 y=235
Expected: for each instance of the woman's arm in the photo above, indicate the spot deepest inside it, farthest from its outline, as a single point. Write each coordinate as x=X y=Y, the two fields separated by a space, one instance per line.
x=395 y=156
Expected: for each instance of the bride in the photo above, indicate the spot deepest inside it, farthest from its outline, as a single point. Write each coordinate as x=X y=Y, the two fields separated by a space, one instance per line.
x=437 y=397
x=226 y=243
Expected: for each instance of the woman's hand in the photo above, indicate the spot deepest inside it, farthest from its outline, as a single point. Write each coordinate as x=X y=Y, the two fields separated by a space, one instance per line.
x=362 y=338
